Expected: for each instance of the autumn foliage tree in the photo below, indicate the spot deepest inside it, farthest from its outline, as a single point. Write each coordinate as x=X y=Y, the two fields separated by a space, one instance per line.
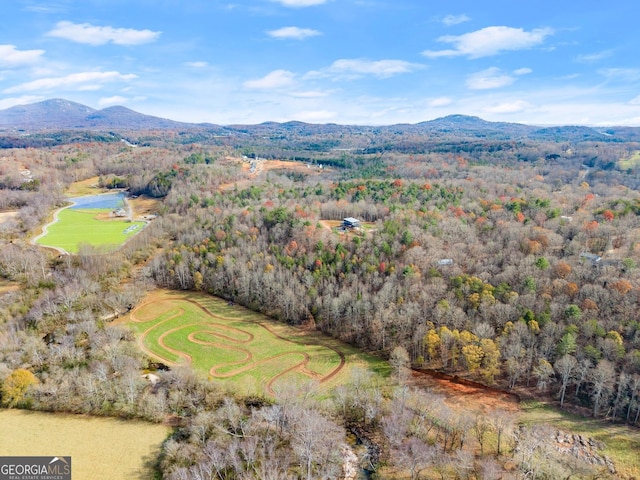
x=15 y=387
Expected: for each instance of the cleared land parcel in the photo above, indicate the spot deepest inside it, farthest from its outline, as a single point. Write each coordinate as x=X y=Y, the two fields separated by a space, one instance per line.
x=233 y=344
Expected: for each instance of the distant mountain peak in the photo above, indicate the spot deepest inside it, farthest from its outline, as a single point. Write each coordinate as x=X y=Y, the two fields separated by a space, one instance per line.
x=58 y=113
x=459 y=117
x=61 y=102
x=118 y=108
x=462 y=120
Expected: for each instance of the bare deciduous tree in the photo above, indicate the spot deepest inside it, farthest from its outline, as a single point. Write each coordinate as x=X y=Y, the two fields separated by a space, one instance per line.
x=565 y=367
x=602 y=378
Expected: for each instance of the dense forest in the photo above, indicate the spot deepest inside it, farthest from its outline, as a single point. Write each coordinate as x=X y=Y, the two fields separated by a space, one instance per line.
x=514 y=264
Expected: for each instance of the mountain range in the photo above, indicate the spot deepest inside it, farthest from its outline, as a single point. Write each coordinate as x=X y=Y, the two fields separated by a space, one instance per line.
x=59 y=114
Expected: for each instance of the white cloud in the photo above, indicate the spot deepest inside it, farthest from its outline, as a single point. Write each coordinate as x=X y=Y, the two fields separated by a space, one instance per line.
x=510 y=107
x=196 y=64
x=487 y=79
x=450 y=20
x=571 y=76
x=440 y=102
x=273 y=80
x=622 y=74
x=522 y=71
x=78 y=81
x=354 y=68
x=490 y=41
x=11 y=57
x=594 y=57
x=635 y=101
x=108 y=101
x=299 y=3
x=293 y=32
x=94 y=35
x=23 y=100
x=50 y=8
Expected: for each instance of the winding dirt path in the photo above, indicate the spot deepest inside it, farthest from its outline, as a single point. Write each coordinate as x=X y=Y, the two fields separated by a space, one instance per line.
x=311 y=373
x=222 y=341
x=143 y=335
x=305 y=357
x=299 y=367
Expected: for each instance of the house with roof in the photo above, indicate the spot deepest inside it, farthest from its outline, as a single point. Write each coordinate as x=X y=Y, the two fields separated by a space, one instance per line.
x=350 y=222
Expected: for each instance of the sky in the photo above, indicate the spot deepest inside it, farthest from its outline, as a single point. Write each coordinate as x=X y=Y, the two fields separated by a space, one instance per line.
x=365 y=62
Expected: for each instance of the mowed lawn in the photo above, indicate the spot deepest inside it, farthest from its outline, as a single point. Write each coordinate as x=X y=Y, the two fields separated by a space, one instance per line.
x=77 y=227
x=233 y=344
x=100 y=448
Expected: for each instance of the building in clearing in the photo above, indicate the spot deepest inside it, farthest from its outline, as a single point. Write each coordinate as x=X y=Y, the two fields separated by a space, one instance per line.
x=350 y=222
x=592 y=257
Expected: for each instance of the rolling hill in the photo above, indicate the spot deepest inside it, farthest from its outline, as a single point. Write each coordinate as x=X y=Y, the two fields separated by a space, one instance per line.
x=59 y=114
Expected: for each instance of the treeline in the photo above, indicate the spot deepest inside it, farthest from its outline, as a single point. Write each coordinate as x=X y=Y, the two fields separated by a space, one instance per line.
x=53 y=139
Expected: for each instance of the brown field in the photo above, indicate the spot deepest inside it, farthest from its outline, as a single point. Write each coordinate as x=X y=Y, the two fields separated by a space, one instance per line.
x=330 y=224
x=268 y=165
x=100 y=448
x=144 y=205
x=265 y=165
x=287 y=165
x=85 y=187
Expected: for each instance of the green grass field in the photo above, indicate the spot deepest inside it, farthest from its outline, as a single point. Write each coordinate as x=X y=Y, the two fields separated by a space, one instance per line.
x=77 y=227
x=100 y=448
x=233 y=344
x=631 y=162
x=622 y=442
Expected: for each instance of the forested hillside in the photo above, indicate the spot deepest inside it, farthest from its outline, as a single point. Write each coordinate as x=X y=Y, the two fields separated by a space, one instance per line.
x=543 y=274
x=514 y=264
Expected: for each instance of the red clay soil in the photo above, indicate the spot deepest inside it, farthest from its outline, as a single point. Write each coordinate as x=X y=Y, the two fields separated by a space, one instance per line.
x=462 y=393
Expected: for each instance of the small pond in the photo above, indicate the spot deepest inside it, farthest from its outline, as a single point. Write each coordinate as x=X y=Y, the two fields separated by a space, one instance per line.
x=109 y=201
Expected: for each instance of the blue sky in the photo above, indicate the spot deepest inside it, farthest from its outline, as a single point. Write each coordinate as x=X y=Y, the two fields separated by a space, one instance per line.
x=341 y=61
